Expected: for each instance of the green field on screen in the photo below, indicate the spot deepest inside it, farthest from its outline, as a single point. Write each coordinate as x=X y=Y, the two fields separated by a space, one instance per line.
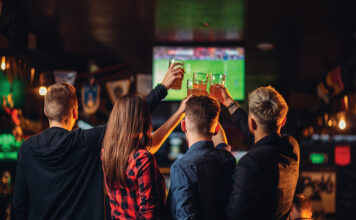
x=234 y=70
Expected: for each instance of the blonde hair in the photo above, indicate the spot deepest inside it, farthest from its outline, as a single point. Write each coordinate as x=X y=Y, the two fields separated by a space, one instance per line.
x=59 y=101
x=268 y=106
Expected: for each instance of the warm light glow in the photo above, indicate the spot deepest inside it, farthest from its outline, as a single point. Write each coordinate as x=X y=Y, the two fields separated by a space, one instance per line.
x=306 y=213
x=3 y=63
x=330 y=123
x=42 y=90
x=33 y=71
x=346 y=102
x=342 y=124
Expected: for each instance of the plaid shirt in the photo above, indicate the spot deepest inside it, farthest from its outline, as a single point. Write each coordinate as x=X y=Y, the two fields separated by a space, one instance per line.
x=144 y=196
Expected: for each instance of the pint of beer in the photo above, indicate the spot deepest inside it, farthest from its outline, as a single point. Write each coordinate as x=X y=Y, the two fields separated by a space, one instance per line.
x=178 y=82
x=217 y=80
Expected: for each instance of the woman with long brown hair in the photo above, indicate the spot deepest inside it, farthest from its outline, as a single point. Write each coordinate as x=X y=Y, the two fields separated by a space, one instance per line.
x=134 y=183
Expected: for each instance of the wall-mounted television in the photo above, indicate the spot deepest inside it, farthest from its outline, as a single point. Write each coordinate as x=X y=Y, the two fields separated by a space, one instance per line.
x=228 y=60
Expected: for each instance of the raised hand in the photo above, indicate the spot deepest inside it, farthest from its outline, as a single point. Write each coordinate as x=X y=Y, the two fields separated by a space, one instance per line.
x=227 y=99
x=183 y=104
x=174 y=72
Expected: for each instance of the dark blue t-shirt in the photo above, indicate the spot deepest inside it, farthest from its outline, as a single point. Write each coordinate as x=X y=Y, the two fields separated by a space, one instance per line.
x=200 y=183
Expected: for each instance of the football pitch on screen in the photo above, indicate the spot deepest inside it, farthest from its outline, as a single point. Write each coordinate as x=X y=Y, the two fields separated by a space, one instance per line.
x=234 y=70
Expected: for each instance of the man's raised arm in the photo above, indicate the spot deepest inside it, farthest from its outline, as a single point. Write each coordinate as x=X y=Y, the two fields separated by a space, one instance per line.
x=238 y=115
x=157 y=94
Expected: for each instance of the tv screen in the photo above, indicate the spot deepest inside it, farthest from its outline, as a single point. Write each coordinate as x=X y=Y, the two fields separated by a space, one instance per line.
x=228 y=60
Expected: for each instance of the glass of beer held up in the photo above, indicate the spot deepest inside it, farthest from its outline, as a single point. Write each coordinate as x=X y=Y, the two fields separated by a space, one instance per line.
x=217 y=80
x=200 y=81
x=193 y=90
x=178 y=82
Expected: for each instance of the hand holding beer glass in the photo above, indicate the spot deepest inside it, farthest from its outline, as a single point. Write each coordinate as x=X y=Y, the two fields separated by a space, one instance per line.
x=177 y=64
x=217 y=80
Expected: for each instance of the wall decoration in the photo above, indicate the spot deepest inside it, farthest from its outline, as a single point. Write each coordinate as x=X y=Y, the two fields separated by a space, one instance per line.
x=91 y=96
x=143 y=84
x=118 y=88
x=320 y=187
x=68 y=76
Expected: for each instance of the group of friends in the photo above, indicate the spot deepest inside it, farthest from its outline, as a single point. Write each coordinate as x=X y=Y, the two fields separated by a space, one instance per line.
x=64 y=174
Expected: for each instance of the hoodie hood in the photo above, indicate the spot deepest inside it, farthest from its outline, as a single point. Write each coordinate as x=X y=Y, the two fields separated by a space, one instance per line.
x=52 y=147
x=286 y=146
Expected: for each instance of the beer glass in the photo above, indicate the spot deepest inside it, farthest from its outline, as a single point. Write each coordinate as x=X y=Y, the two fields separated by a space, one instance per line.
x=217 y=80
x=200 y=81
x=177 y=84
x=191 y=90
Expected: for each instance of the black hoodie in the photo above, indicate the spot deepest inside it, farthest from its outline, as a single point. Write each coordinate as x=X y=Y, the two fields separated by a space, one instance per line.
x=59 y=173
x=265 y=178
x=59 y=176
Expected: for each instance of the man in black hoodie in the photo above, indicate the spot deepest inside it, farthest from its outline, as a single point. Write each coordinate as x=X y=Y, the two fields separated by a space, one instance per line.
x=266 y=177
x=59 y=173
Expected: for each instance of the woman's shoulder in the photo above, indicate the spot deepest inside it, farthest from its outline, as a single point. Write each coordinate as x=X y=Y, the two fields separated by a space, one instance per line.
x=143 y=155
x=142 y=160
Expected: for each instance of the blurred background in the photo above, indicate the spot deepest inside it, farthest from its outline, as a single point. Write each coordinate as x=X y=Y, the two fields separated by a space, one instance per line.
x=108 y=48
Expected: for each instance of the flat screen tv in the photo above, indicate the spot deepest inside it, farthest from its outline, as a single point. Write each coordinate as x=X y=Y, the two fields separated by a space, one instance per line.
x=228 y=60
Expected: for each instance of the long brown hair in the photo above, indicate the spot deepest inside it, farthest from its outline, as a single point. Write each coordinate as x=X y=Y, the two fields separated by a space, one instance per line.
x=128 y=129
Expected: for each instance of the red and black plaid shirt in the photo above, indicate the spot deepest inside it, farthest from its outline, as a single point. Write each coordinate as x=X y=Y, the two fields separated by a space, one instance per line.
x=144 y=196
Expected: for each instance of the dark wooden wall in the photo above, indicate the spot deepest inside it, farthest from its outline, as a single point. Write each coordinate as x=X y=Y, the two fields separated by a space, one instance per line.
x=309 y=36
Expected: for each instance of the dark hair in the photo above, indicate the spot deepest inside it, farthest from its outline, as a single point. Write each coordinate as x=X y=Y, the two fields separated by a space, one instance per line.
x=203 y=112
x=59 y=101
x=129 y=129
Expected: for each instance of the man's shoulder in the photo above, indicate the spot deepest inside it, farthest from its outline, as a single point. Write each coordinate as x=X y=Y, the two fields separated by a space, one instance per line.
x=32 y=140
x=264 y=150
x=291 y=140
x=216 y=155
x=182 y=161
x=248 y=161
x=97 y=130
x=223 y=153
x=270 y=147
x=264 y=153
x=27 y=143
x=186 y=162
x=90 y=136
x=190 y=158
x=260 y=156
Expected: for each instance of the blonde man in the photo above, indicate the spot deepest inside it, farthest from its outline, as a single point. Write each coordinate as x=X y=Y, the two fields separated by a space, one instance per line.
x=266 y=177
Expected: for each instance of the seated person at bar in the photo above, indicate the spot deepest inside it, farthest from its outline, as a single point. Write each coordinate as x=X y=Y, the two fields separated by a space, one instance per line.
x=266 y=177
x=201 y=180
x=134 y=183
x=59 y=171
x=301 y=208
